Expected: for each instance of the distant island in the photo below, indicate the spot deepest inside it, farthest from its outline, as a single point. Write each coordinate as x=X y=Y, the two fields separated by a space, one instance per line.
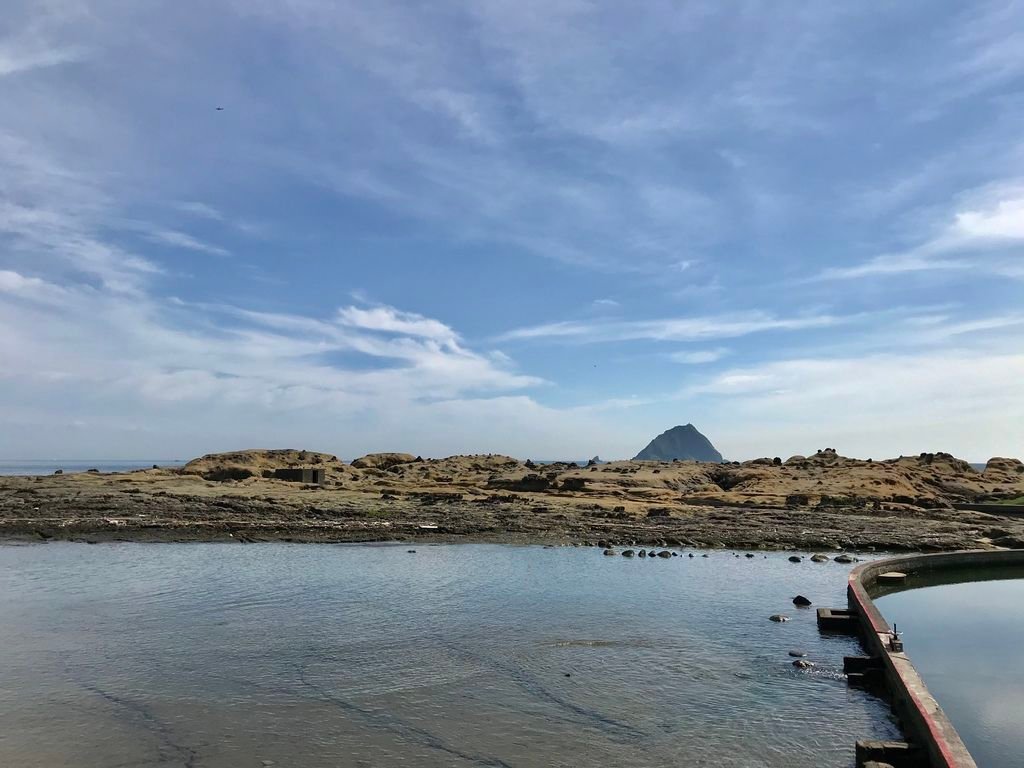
x=684 y=443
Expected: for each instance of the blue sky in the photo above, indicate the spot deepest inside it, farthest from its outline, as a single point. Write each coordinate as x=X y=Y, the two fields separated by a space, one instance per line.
x=549 y=229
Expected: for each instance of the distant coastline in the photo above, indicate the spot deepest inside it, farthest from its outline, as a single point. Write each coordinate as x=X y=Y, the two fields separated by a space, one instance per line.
x=819 y=502
x=30 y=467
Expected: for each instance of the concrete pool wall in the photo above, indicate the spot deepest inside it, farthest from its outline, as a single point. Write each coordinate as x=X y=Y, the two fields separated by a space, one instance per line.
x=922 y=717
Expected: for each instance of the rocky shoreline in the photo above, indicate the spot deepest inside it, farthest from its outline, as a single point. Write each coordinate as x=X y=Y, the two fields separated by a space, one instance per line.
x=820 y=503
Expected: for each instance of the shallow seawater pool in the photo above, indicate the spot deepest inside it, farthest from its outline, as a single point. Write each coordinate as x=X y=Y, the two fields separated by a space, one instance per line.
x=967 y=641
x=455 y=655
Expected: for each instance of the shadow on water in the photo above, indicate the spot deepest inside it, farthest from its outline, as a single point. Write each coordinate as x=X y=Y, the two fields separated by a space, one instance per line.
x=947 y=576
x=388 y=723
x=170 y=749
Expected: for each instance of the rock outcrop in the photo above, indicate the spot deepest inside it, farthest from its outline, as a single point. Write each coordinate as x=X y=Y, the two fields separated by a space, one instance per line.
x=383 y=460
x=682 y=443
x=241 y=465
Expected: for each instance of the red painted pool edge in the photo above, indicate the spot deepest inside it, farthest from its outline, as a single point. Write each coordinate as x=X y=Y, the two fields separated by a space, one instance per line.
x=911 y=698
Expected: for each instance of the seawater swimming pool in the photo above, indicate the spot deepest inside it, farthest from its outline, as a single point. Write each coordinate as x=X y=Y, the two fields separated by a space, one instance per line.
x=317 y=655
x=966 y=639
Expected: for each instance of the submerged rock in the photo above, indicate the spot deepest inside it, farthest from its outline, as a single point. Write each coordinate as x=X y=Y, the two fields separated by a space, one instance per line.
x=795 y=559
x=801 y=601
x=798 y=654
x=819 y=558
x=610 y=552
x=778 y=618
x=665 y=553
x=628 y=553
x=803 y=664
x=846 y=559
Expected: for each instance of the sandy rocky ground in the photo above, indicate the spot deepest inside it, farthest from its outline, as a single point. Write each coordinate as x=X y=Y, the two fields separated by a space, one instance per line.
x=819 y=502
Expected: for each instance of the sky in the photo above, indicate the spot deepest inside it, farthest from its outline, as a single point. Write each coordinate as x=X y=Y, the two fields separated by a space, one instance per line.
x=548 y=229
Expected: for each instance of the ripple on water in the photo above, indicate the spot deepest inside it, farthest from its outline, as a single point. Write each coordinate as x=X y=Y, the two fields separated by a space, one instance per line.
x=463 y=655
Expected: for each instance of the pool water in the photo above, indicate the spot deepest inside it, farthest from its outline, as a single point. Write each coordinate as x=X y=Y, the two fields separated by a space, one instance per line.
x=967 y=641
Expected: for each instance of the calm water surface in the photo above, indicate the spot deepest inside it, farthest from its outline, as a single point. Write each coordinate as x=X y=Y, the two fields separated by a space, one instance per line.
x=967 y=641
x=49 y=466
x=459 y=655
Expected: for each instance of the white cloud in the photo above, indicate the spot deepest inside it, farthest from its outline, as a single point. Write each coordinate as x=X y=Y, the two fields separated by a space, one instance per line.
x=391 y=320
x=699 y=357
x=949 y=399
x=29 y=287
x=84 y=331
x=160 y=351
x=183 y=240
x=895 y=264
x=33 y=47
x=202 y=210
x=1004 y=220
x=672 y=329
x=994 y=221
x=14 y=60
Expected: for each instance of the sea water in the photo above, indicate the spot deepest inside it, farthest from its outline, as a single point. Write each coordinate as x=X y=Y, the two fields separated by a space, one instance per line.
x=49 y=466
x=453 y=655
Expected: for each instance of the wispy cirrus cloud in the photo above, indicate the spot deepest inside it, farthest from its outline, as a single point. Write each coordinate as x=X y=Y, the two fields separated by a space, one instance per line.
x=391 y=320
x=486 y=167
x=83 y=318
x=670 y=329
x=34 y=46
x=699 y=357
x=202 y=210
x=975 y=237
x=184 y=240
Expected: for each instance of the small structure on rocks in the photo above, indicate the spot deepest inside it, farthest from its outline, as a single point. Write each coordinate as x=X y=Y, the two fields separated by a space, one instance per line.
x=308 y=475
